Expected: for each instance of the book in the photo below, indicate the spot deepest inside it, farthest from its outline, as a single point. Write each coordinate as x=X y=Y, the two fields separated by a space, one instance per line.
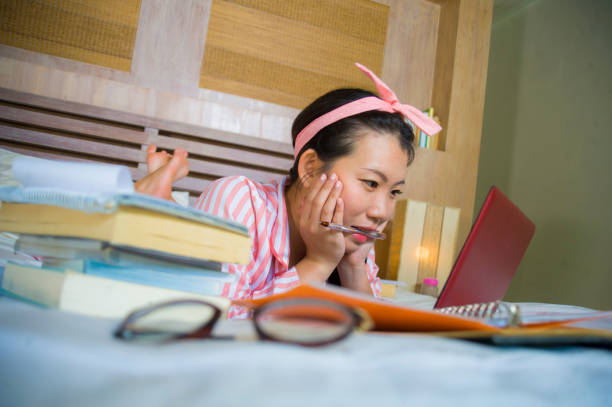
x=208 y=282
x=99 y=258
x=139 y=227
x=391 y=317
x=88 y=294
x=59 y=248
x=71 y=176
x=8 y=255
x=8 y=252
x=385 y=315
x=592 y=329
x=96 y=201
x=388 y=287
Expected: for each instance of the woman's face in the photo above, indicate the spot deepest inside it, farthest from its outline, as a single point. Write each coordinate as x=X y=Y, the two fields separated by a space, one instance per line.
x=373 y=178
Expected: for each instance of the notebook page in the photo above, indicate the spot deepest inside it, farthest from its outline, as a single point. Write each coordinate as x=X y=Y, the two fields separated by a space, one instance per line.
x=72 y=176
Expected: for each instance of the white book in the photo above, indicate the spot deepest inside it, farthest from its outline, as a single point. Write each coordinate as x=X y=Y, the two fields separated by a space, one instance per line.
x=89 y=295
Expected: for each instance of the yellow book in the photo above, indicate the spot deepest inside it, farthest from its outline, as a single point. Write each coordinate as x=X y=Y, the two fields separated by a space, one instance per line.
x=87 y=294
x=210 y=238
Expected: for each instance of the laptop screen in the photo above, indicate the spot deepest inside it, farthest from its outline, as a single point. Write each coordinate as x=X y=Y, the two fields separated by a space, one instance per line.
x=490 y=255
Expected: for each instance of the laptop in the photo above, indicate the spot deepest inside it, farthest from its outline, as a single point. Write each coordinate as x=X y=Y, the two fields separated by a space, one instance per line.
x=490 y=255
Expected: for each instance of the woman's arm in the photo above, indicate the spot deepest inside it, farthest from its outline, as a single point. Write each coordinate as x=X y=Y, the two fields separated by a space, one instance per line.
x=315 y=201
x=358 y=271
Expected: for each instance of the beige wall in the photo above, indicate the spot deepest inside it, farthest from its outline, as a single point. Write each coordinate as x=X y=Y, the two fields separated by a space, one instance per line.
x=546 y=142
x=435 y=54
x=163 y=81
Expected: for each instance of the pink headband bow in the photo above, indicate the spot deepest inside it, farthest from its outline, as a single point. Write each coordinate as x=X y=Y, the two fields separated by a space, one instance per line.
x=387 y=103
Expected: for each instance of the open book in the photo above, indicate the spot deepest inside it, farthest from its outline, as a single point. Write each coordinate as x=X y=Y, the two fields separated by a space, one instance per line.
x=83 y=177
x=388 y=316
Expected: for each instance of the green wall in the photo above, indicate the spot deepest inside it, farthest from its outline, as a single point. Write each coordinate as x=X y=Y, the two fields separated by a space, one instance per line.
x=547 y=143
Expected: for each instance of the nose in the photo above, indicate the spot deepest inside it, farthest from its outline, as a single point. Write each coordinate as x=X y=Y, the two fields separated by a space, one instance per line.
x=381 y=208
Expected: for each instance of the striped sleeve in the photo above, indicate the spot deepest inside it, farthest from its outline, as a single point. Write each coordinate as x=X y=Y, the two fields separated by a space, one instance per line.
x=232 y=198
x=372 y=271
x=244 y=201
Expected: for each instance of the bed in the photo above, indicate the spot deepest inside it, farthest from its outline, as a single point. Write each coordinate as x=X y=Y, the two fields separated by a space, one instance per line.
x=54 y=358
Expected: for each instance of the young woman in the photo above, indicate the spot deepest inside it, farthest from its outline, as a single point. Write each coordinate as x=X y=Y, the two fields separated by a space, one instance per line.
x=352 y=150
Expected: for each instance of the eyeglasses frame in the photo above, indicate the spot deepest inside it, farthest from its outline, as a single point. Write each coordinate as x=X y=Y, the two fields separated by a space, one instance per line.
x=360 y=320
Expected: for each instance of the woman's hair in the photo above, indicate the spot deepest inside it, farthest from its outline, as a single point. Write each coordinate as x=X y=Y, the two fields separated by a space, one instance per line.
x=338 y=139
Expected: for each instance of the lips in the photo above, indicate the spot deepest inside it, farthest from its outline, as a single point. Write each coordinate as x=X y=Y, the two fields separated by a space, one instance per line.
x=360 y=238
x=365 y=229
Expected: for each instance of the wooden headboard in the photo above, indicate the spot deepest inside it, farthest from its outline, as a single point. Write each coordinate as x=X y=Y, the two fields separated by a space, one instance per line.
x=52 y=128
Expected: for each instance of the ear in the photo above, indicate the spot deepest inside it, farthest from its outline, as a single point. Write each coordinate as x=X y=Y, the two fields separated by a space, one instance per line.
x=308 y=166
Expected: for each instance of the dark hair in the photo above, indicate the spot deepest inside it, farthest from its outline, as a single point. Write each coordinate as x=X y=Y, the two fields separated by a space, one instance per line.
x=338 y=139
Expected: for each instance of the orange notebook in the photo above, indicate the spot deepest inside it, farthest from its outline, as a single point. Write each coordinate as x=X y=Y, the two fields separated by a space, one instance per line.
x=385 y=315
x=388 y=316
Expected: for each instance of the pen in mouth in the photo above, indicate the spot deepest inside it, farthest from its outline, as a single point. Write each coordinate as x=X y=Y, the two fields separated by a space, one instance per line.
x=354 y=229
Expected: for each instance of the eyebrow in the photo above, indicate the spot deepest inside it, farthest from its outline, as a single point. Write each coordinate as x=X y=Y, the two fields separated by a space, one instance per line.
x=383 y=176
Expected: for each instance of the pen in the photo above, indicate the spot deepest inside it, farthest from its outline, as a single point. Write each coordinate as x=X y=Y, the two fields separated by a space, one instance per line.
x=353 y=229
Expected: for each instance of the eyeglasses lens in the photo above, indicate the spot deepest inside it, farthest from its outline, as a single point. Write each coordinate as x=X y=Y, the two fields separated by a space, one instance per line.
x=305 y=323
x=169 y=321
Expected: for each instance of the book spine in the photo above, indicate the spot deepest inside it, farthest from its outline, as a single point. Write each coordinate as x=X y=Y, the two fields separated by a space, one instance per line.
x=201 y=282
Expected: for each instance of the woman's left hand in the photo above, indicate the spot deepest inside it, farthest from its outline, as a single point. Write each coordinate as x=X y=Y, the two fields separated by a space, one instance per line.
x=353 y=268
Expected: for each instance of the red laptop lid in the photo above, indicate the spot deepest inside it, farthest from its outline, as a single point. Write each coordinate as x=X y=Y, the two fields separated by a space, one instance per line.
x=491 y=253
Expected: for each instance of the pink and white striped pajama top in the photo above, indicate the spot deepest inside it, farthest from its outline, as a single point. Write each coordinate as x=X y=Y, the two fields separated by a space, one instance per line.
x=261 y=208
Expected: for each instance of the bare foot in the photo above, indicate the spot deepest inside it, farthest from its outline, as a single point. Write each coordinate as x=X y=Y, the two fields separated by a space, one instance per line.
x=159 y=183
x=156 y=159
x=181 y=163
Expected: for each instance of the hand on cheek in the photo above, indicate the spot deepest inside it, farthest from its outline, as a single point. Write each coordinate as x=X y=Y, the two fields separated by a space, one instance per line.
x=320 y=201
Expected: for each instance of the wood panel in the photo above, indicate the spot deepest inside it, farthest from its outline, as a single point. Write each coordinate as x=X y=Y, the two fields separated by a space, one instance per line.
x=458 y=61
x=70 y=143
x=410 y=50
x=49 y=128
x=430 y=244
x=171 y=58
x=141 y=121
x=79 y=83
x=435 y=52
x=100 y=33
x=291 y=52
x=16 y=114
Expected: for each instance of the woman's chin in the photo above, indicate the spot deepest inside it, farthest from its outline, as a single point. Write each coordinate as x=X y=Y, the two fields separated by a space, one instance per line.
x=354 y=242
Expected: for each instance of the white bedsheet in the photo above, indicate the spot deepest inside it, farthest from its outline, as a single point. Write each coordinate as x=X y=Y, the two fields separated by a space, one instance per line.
x=52 y=358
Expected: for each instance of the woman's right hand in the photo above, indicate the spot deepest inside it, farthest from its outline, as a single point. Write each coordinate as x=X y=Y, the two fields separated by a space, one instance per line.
x=320 y=201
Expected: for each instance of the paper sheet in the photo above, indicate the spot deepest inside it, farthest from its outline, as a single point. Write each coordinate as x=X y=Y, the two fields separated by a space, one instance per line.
x=72 y=176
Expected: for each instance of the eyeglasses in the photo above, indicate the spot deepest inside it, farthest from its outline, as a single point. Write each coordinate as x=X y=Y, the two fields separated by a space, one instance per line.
x=302 y=321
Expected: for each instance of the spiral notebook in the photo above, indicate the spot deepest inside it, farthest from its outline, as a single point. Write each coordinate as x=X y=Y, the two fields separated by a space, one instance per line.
x=491 y=254
x=481 y=321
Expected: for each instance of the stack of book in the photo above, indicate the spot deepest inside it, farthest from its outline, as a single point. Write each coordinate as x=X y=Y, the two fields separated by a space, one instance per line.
x=424 y=140
x=107 y=253
x=9 y=252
